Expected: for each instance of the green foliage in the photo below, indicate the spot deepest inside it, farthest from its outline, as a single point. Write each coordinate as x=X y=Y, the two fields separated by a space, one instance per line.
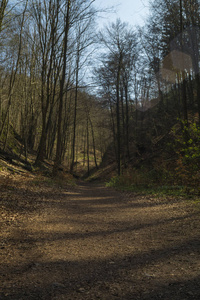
x=156 y=190
x=114 y=182
x=121 y=183
x=187 y=147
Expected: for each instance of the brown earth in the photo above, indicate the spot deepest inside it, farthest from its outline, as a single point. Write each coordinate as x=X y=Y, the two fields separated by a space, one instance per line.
x=91 y=242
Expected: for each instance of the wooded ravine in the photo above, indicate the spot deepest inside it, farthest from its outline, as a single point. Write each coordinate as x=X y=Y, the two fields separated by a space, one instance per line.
x=121 y=95
x=99 y=152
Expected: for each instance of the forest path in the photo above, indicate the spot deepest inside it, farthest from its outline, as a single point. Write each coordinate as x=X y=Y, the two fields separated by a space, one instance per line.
x=92 y=242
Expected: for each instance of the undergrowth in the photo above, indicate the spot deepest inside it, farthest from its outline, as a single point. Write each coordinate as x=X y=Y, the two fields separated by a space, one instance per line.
x=179 y=176
x=120 y=183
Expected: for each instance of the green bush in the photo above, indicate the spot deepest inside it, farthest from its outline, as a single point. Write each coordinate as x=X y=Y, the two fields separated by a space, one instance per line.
x=187 y=147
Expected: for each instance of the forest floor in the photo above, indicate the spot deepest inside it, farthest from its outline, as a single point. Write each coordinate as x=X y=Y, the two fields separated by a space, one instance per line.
x=91 y=242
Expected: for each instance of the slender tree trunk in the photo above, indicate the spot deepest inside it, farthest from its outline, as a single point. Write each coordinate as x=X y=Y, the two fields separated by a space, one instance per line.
x=113 y=128
x=2 y=11
x=197 y=79
x=88 y=149
x=127 y=121
x=84 y=147
x=184 y=96
x=179 y=97
x=6 y=131
x=118 y=118
x=57 y=161
x=93 y=141
x=123 y=138
x=75 y=113
x=191 y=92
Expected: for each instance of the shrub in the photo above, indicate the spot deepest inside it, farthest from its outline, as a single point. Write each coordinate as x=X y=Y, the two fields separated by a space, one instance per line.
x=187 y=146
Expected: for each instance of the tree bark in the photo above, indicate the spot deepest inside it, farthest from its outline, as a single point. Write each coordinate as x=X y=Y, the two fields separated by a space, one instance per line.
x=118 y=117
x=93 y=141
x=57 y=161
x=2 y=12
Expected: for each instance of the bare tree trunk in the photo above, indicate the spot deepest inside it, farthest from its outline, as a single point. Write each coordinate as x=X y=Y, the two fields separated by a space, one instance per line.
x=75 y=112
x=57 y=161
x=184 y=96
x=84 y=146
x=197 y=79
x=118 y=118
x=113 y=128
x=2 y=11
x=127 y=120
x=93 y=141
x=88 y=149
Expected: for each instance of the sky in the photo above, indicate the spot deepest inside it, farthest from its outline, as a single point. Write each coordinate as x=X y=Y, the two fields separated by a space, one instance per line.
x=131 y=11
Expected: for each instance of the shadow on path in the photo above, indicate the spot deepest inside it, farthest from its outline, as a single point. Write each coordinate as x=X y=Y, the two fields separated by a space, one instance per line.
x=94 y=243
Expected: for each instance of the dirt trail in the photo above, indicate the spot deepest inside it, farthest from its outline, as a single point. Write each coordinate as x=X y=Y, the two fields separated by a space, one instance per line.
x=96 y=243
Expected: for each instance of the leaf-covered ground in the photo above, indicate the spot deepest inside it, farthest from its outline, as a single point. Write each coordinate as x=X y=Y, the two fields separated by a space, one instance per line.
x=91 y=242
